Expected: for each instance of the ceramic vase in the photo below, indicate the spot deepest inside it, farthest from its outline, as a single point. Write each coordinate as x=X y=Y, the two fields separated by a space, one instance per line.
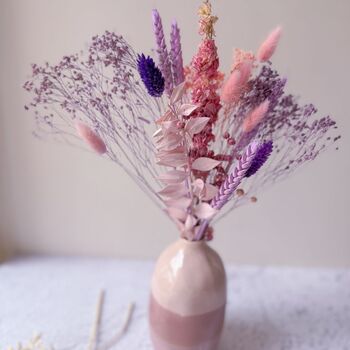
x=188 y=298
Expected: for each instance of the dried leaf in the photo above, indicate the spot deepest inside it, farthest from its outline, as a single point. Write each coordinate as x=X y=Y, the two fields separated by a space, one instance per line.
x=204 y=211
x=209 y=192
x=168 y=115
x=173 y=176
x=172 y=159
x=170 y=141
x=177 y=93
x=196 y=125
x=204 y=164
x=187 y=108
x=170 y=125
x=190 y=222
x=174 y=191
x=198 y=186
x=177 y=213
x=181 y=203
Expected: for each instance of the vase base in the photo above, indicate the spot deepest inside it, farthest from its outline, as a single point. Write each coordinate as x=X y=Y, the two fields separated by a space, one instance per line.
x=160 y=344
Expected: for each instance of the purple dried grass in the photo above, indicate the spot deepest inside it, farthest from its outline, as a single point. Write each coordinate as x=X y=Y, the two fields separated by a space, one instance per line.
x=231 y=183
x=163 y=56
x=176 y=54
x=235 y=177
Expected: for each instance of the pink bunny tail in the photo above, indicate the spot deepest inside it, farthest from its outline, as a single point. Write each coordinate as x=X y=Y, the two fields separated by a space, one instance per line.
x=92 y=139
x=245 y=70
x=268 y=47
x=255 y=117
x=237 y=82
x=232 y=88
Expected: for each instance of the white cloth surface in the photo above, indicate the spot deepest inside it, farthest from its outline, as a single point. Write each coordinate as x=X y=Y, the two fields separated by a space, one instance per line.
x=268 y=308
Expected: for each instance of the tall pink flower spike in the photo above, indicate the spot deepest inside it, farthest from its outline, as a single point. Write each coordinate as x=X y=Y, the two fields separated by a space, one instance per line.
x=268 y=47
x=255 y=117
x=92 y=139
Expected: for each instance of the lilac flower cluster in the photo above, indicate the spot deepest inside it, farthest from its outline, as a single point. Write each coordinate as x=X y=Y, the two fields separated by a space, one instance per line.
x=100 y=88
x=298 y=135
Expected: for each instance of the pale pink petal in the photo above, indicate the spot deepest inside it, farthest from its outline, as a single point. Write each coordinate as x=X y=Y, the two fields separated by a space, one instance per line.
x=177 y=93
x=181 y=203
x=255 y=117
x=232 y=88
x=174 y=160
x=177 y=213
x=209 y=192
x=268 y=47
x=174 y=191
x=91 y=138
x=170 y=141
x=186 y=109
x=190 y=222
x=204 y=164
x=169 y=126
x=198 y=186
x=204 y=211
x=196 y=125
x=173 y=176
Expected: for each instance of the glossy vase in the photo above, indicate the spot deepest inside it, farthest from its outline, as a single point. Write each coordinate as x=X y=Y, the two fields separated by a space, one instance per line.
x=188 y=298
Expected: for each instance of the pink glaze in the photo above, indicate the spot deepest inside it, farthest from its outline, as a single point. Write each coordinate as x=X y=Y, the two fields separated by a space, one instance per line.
x=187 y=303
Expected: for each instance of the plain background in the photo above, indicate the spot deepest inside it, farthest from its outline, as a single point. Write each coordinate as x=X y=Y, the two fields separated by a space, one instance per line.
x=59 y=200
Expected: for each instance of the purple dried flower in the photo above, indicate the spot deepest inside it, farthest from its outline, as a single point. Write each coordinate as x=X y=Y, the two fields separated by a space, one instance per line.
x=234 y=179
x=176 y=54
x=164 y=61
x=231 y=183
x=150 y=75
x=260 y=158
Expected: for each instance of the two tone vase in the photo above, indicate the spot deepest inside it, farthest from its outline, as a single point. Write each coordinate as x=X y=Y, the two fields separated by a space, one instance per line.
x=188 y=298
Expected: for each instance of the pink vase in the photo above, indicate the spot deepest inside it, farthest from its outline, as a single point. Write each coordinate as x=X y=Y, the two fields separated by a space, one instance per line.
x=188 y=298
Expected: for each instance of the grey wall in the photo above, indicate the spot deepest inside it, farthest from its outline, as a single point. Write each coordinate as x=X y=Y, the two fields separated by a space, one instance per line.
x=55 y=199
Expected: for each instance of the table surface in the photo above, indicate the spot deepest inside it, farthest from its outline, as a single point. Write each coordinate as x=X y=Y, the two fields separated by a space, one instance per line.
x=268 y=308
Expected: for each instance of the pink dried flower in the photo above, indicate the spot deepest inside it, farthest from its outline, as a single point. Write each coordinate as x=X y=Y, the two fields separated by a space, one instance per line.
x=240 y=56
x=268 y=47
x=246 y=70
x=231 y=89
x=255 y=117
x=204 y=80
x=91 y=138
x=237 y=82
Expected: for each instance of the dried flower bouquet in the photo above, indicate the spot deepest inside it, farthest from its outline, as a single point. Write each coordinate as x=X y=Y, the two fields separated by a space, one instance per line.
x=195 y=140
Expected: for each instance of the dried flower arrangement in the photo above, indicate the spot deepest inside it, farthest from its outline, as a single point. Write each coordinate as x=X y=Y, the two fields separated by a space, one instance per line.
x=211 y=133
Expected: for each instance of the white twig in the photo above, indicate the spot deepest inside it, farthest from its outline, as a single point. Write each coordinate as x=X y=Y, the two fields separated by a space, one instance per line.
x=122 y=330
x=92 y=345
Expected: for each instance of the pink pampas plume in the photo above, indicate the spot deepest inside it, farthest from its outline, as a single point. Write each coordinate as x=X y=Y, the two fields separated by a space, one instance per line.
x=255 y=117
x=235 y=84
x=246 y=70
x=92 y=139
x=268 y=47
x=231 y=89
